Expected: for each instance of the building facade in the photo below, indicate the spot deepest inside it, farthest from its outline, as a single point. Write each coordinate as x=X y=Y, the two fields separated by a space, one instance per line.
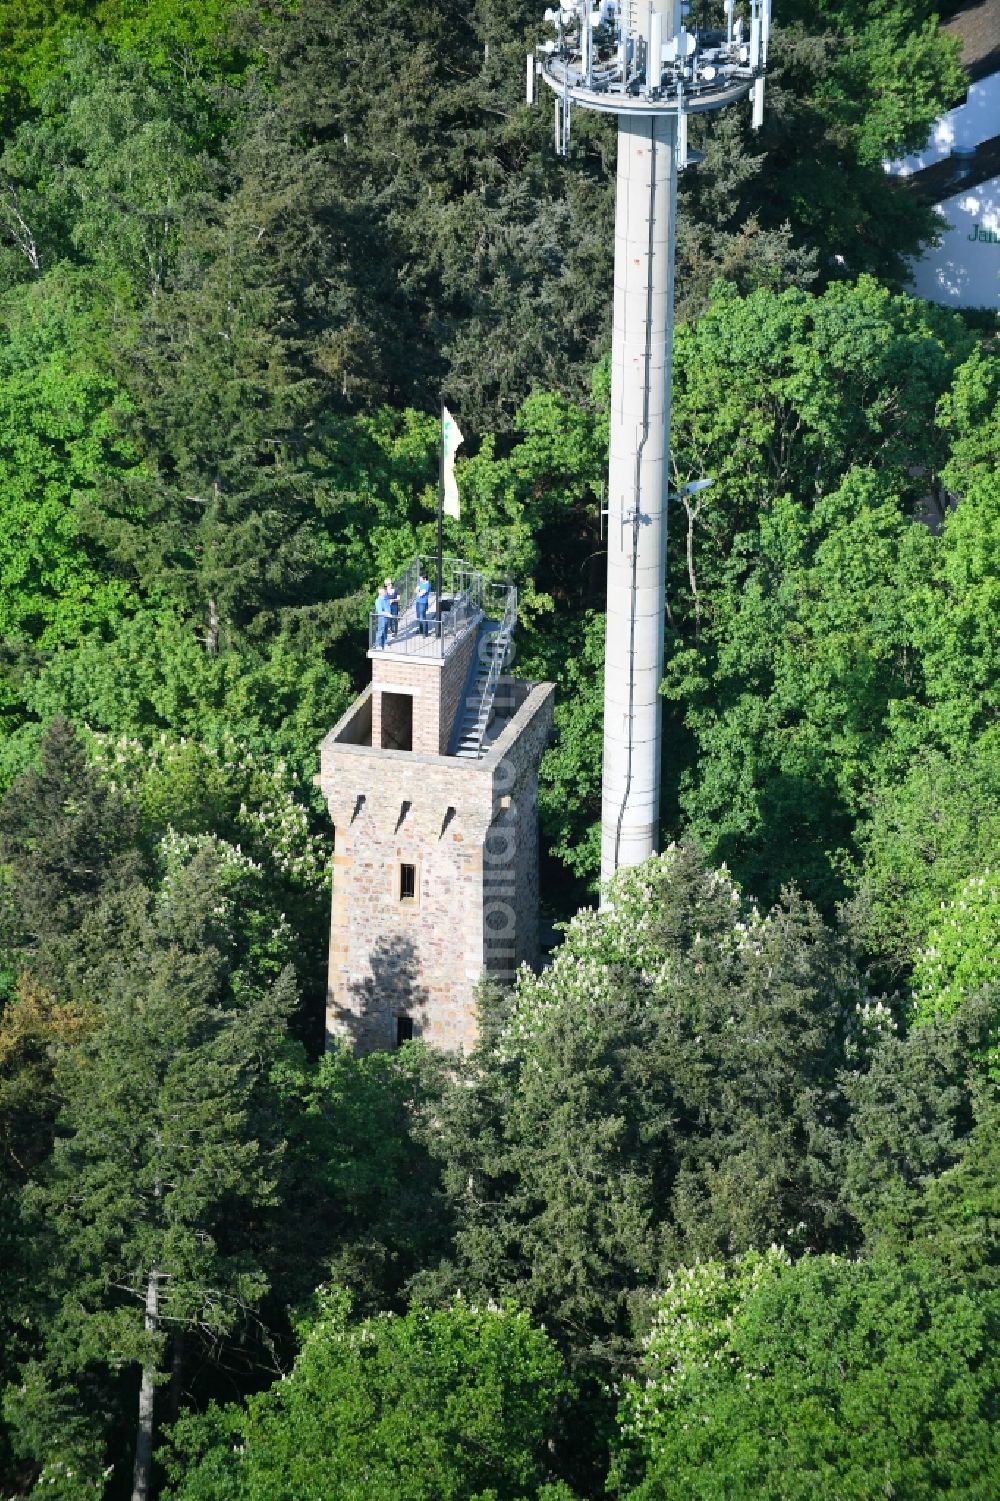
x=958 y=171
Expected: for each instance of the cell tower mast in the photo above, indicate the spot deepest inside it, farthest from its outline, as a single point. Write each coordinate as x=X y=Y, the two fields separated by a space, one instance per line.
x=638 y=60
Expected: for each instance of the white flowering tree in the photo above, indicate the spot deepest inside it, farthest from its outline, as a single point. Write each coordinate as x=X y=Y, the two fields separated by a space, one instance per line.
x=257 y=942
x=961 y=956
x=827 y=1377
x=228 y=789
x=694 y=1318
x=259 y=817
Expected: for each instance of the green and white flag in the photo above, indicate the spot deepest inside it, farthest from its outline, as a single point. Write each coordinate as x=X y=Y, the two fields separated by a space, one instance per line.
x=451 y=442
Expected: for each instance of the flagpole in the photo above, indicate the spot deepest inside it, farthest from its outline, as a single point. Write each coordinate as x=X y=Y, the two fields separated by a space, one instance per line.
x=440 y=556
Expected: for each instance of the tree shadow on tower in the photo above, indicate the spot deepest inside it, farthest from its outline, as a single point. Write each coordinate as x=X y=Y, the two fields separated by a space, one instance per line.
x=388 y=1006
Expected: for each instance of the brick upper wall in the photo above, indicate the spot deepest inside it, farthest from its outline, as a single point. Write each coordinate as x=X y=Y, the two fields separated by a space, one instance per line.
x=435 y=686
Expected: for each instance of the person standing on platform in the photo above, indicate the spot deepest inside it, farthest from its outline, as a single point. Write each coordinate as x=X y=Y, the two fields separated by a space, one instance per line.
x=383 y=611
x=421 y=601
x=393 y=593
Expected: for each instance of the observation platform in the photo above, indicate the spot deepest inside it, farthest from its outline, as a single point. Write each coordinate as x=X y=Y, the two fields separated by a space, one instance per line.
x=435 y=682
x=467 y=599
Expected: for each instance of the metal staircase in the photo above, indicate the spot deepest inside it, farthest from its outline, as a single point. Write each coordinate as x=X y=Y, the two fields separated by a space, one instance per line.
x=492 y=651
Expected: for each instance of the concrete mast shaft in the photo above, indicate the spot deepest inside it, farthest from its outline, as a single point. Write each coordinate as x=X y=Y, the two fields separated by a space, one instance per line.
x=645 y=218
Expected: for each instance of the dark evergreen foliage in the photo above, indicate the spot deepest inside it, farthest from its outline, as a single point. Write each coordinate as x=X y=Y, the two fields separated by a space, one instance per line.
x=713 y=1208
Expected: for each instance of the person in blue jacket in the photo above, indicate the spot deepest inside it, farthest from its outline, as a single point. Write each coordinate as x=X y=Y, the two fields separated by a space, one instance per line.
x=421 y=601
x=383 y=610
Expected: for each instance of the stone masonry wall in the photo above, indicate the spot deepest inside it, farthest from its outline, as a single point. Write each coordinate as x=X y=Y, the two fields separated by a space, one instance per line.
x=470 y=830
x=511 y=893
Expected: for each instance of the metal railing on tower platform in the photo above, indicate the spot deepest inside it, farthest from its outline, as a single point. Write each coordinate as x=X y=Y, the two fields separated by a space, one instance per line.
x=465 y=596
x=494 y=655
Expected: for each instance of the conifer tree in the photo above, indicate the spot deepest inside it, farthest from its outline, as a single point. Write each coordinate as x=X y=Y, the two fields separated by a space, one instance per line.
x=163 y=1155
x=66 y=840
x=219 y=522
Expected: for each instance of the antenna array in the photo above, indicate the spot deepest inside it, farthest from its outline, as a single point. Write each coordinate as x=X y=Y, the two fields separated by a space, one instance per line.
x=639 y=57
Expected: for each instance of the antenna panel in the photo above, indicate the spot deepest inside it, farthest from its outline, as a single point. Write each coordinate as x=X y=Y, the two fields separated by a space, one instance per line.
x=637 y=57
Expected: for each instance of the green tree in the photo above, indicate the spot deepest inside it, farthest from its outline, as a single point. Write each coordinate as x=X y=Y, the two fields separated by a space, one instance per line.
x=186 y=39
x=153 y=677
x=957 y=1223
x=795 y=585
x=808 y=192
x=662 y=1091
x=952 y=620
x=790 y=692
x=427 y=234
x=970 y=415
x=66 y=840
x=962 y=949
x=930 y=816
x=361 y=1192
x=466 y=237
x=218 y=521
x=452 y=218
x=692 y=1320
x=569 y=795
x=830 y=1377
x=452 y=1403
x=58 y=438
x=174 y=35
x=34 y=32
x=103 y=174
x=918 y=1109
x=162 y=1147
x=779 y=394
x=922 y=837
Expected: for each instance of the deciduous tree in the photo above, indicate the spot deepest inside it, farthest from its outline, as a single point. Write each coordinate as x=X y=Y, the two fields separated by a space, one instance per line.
x=828 y=1376
x=451 y=1403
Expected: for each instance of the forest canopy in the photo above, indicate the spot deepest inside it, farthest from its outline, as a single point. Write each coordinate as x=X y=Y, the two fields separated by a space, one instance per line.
x=711 y=1210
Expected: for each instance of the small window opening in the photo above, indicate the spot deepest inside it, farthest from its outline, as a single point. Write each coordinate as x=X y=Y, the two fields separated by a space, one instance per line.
x=404 y=1030
x=407 y=883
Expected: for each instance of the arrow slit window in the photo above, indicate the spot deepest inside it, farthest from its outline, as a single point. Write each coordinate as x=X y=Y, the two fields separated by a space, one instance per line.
x=407 y=882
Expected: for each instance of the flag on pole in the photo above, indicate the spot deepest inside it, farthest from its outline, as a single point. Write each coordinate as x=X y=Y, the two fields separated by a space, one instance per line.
x=451 y=442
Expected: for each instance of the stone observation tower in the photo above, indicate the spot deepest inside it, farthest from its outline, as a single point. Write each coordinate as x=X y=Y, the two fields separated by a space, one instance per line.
x=638 y=60
x=431 y=778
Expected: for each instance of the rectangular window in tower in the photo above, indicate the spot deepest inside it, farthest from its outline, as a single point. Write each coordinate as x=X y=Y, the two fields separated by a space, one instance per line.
x=407 y=882
x=404 y=1030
